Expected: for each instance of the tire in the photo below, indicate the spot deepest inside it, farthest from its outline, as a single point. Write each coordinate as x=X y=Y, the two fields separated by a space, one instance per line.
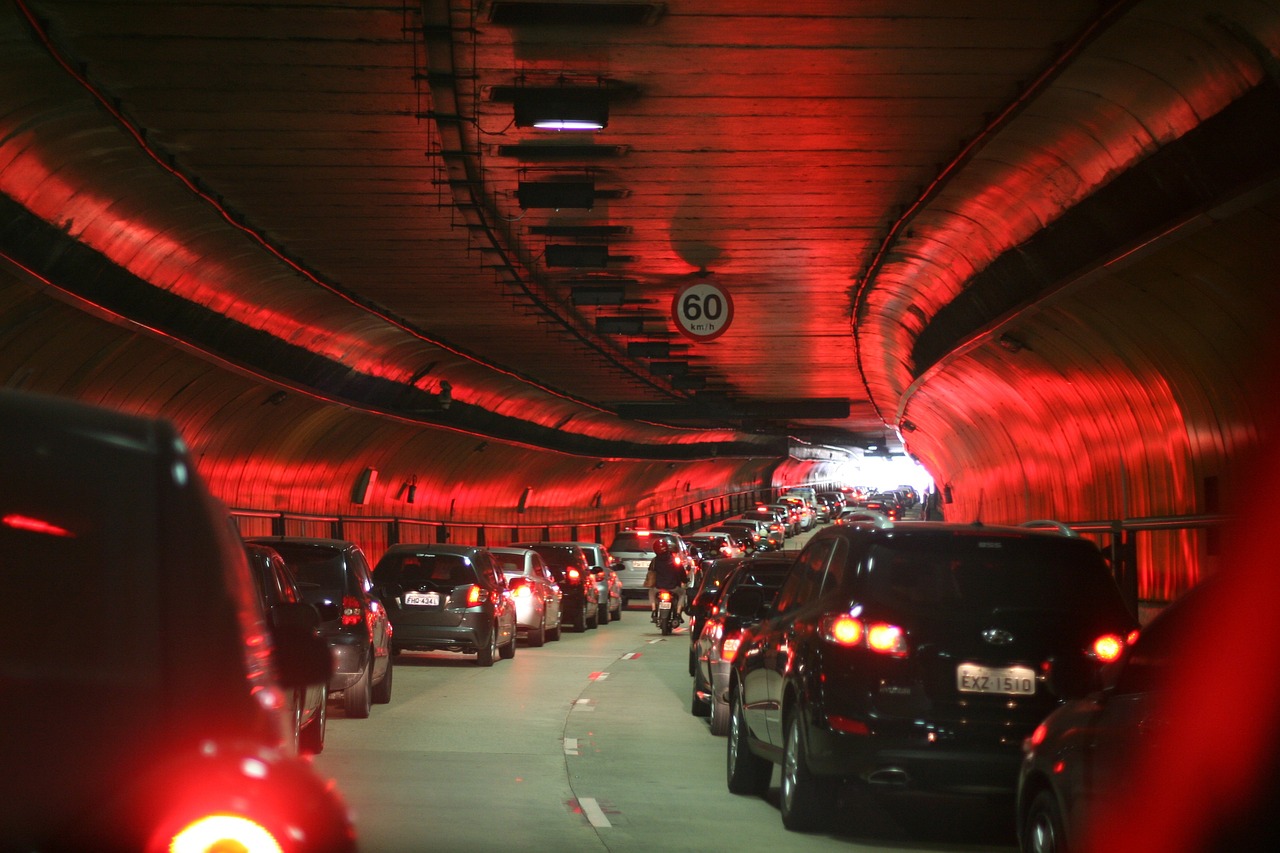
x=556 y=632
x=508 y=651
x=602 y=616
x=487 y=655
x=698 y=707
x=719 y=717
x=382 y=690
x=593 y=618
x=665 y=622
x=357 y=699
x=538 y=636
x=617 y=614
x=805 y=800
x=580 y=618
x=747 y=773
x=1043 y=830
x=311 y=738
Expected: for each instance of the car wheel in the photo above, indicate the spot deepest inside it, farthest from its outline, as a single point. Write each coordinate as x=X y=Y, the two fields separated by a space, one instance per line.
x=554 y=633
x=593 y=616
x=602 y=616
x=311 y=740
x=617 y=611
x=719 y=715
x=805 y=800
x=698 y=707
x=580 y=619
x=357 y=698
x=486 y=655
x=538 y=636
x=748 y=773
x=508 y=651
x=1043 y=831
x=382 y=690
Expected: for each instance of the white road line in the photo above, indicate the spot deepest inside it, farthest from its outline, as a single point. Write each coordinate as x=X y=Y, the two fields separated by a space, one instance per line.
x=594 y=814
x=571 y=746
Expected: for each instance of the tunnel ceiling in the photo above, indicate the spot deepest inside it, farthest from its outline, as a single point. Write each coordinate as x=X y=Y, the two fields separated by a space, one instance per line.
x=338 y=197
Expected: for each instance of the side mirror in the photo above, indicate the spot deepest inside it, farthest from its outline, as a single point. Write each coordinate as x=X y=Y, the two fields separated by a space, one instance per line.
x=302 y=657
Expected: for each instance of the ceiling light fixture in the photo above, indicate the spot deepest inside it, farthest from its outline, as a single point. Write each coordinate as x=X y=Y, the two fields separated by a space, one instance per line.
x=579 y=194
x=562 y=108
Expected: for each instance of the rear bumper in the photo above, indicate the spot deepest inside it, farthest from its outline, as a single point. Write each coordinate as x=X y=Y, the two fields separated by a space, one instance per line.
x=472 y=632
x=350 y=660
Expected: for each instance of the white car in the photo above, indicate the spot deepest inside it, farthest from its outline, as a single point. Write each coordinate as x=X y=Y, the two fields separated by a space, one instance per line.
x=535 y=592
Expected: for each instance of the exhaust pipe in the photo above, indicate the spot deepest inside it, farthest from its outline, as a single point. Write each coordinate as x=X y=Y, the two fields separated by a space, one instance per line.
x=890 y=777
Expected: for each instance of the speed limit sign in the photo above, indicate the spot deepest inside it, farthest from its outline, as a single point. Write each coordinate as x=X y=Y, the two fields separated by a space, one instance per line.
x=702 y=311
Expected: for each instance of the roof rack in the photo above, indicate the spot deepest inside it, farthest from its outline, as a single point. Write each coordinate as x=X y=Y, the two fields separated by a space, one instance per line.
x=1050 y=524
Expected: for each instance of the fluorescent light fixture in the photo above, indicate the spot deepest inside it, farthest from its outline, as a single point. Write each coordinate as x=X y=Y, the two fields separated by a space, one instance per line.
x=562 y=108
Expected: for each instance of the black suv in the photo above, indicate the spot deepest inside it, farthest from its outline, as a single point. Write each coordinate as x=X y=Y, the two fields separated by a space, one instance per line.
x=141 y=685
x=917 y=655
x=355 y=624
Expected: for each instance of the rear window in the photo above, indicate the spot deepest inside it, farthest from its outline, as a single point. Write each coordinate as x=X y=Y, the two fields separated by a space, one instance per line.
x=319 y=565
x=987 y=573
x=436 y=570
x=627 y=541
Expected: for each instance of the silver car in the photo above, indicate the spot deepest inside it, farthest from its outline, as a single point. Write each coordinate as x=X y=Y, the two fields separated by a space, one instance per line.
x=634 y=548
x=608 y=583
x=536 y=593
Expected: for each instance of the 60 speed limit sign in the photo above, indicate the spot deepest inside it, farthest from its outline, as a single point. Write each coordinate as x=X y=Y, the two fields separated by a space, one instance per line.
x=702 y=311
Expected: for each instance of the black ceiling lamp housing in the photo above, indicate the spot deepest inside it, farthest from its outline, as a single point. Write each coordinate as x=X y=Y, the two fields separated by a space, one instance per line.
x=576 y=194
x=581 y=257
x=562 y=108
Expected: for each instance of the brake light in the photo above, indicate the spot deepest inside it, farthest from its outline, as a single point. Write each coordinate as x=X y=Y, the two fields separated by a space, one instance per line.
x=34 y=525
x=520 y=589
x=664 y=595
x=477 y=595
x=850 y=631
x=221 y=832
x=573 y=575
x=1107 y=648
x=729 y=647
x=352 y=612
x=1035 y=738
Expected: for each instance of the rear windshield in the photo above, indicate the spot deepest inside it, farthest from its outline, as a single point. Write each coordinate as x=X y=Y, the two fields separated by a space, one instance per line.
x=629 y=541
x=319 y=565
x=438 y=570
x=977 y=573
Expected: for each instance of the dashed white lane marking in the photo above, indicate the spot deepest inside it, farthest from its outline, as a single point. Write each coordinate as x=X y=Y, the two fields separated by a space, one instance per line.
x=595 y=815
x=631 y=655
x=599 y=676
x=571 y=746
x=584 y=704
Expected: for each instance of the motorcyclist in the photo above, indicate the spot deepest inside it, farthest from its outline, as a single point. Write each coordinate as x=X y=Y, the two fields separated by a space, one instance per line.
x=668 y=573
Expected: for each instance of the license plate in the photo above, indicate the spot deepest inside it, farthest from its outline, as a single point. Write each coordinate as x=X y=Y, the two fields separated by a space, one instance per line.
x=1008 y=680
x=422 y=599
x=664 y=605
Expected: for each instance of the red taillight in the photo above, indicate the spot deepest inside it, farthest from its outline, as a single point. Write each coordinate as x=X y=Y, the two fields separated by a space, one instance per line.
x=730 y=645
x=477 y=595
x=850 y=631
x=847 y=725
x=1035 y=738
x=573 y=575
x=1107 y=648
x=34 y=525
x=664 y=595
x=352 y=612
x=520 y=589
x=224 y=832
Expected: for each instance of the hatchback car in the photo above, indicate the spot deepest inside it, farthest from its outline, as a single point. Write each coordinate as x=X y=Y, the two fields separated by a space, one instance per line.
x=535 y=592
x=580 y=600
x=743 y=600
x=307 y=707
x=355 y=623
x=634 y=549
x=917 y=656
x=142 y=697
x=447 y=597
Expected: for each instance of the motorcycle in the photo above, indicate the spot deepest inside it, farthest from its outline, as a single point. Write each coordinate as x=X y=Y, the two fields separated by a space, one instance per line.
x=667 y=616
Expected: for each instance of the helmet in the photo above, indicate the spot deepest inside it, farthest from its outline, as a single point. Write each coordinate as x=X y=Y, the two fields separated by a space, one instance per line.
x=661 y=546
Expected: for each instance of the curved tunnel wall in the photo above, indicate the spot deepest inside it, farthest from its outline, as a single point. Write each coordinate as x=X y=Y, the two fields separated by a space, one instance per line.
x=1128 y=397
x=267 y=452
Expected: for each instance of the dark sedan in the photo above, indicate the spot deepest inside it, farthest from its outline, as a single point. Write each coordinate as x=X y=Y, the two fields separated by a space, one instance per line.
x=447 y=597
x=743 y=600
x=580 y=604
